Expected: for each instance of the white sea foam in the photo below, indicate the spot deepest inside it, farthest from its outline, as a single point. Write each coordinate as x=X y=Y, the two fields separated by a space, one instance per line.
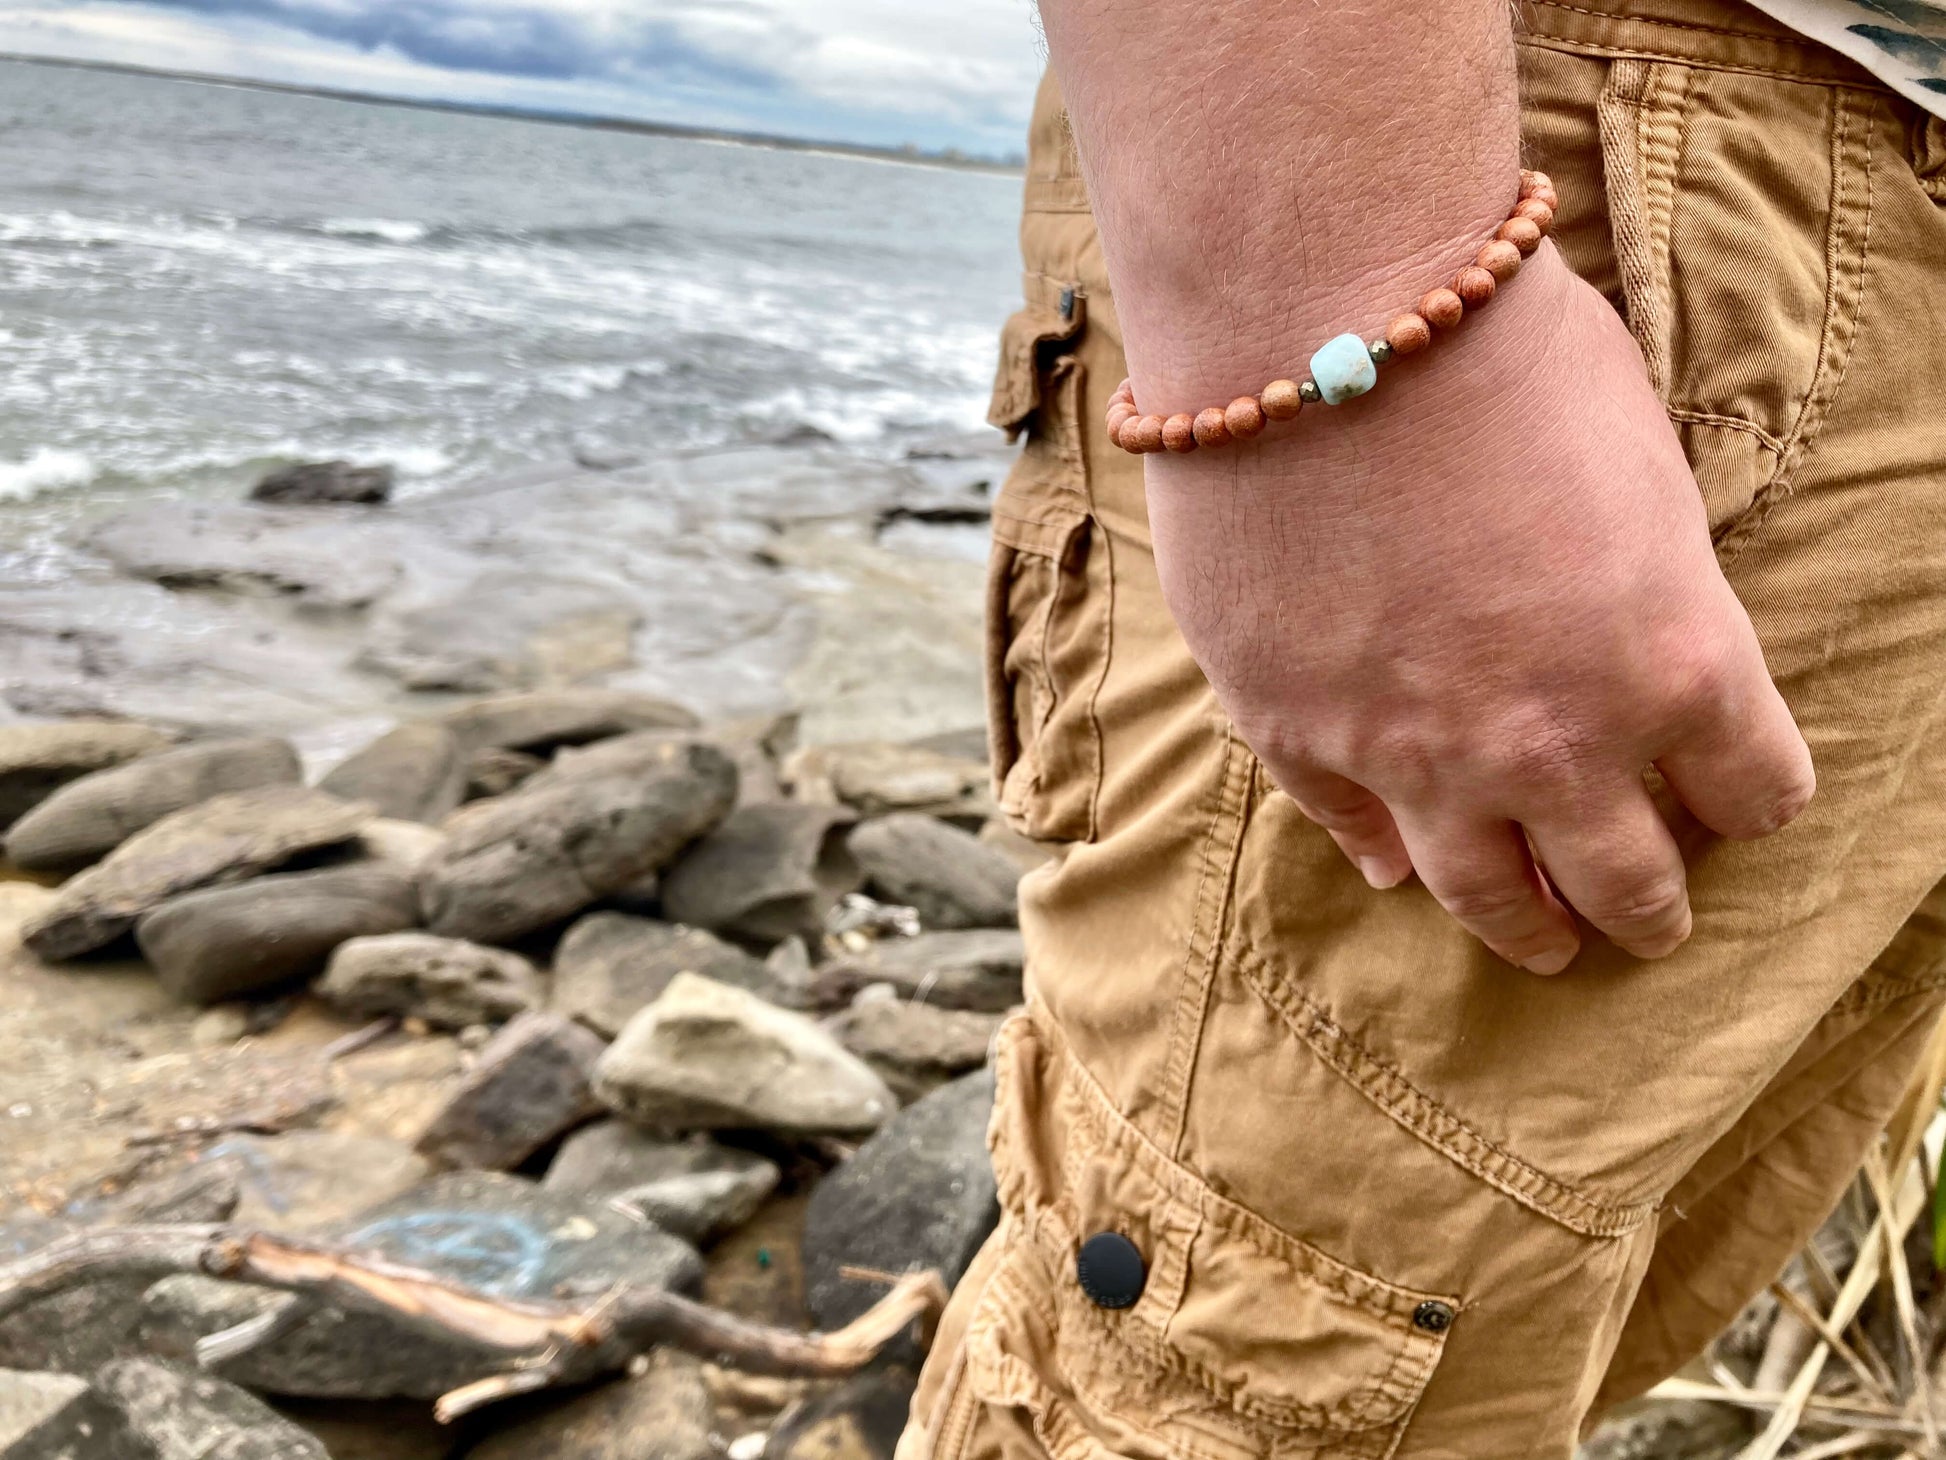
x=47 y=470
x=392 y=230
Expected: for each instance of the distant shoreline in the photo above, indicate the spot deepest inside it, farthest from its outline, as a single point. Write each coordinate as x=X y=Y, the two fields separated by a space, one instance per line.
x=913 y=155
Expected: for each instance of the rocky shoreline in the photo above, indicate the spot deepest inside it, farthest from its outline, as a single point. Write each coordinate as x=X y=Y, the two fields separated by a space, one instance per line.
x=571 y=887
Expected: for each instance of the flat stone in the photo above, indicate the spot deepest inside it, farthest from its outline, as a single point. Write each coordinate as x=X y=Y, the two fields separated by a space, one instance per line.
x=665 y=1414
x=877 y=777
x=979 y=969
x=529 y=1085
x=220 y=942
x=45 y=1416
x=950 y=876
x=544 y=720
x=37 y=759
x=374 y=1429
x=407 y=845
x=88 y=818
x=506 y=630
x=415 y=772
x=860 y=1419
x=1343 y=368
x=706 y=1056
x=612 y=1155
x=326 y=481
x=522 y=862
x=448 y=982
x=310 y=1180
x=233 y=547
x=919 y=1194
x=915 y=1047
x=491 y=771
x=767 y=873
x=702 y=1205
x=226 y=839
x=189 y=1416
x=610 y=966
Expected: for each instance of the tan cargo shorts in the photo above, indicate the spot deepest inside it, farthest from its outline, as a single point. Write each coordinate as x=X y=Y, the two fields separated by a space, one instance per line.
x=1290 y=1167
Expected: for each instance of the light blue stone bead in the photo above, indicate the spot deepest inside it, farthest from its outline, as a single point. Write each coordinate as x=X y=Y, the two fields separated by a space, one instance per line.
x=1343 y=368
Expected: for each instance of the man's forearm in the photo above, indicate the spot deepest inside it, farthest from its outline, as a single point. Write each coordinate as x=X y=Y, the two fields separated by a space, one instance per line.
x=1267 y=176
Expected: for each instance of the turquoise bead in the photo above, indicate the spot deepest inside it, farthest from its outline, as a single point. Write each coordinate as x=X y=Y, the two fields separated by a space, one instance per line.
x=1343 y=368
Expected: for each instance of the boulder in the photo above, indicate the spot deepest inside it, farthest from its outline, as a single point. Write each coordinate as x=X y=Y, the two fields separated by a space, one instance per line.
x=236 y=547
x=919 y=1194
x=665 y=1414
x=38 y=759
x=405 y=845
x=529 y=1085
x=914 y=1047
x=326 y=481
x=610 y=966
x=415 y=772
x=877 y=777
x=508 y=629
x=491 y=771
x=47 y=1416
x=222 y=942
x=522 y=862
x=950 y=876
x=448 y=982
x=700 y=1205
x=90 y=817
x=706 y=1056
x=544 y=720
x=767 y=873
x=980 y=969
x=226 y=839
x=860 y=1419
x=612 y=1155
x=182 y=1415
x=310 y=1180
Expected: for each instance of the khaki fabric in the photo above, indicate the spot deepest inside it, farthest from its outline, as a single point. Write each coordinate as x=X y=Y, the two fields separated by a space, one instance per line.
x=1317 y=1109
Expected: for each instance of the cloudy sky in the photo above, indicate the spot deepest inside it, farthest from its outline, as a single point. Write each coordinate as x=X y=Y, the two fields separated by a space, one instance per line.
x=877 y=71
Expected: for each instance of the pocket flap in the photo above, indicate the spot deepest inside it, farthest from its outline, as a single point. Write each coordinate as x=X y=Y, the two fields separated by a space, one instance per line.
x=1054 y=313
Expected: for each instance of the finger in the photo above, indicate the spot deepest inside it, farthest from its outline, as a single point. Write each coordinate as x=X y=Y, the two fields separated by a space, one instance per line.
x=1358 y=823
x=1617 y=864
x=1747 y=771
x=1482 y=874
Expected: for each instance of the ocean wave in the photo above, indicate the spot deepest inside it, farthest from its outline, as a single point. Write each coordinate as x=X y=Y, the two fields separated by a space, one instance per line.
x=390 y=230
x=49 y=469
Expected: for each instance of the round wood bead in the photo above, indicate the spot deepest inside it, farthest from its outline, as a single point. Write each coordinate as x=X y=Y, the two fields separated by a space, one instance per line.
x=1537 y=213
x=1118 y=412
x=1282 y=400
x=1499 y=258
x=1179 y=433
x=1142 y=435
x=1547 y=196
x=1124 y=392
x=1474 y=285
x=1244 y=416
x=1407 y=334
x=1443 y=308
x=1532 y=182
x=1523 y=233
x=1212 y=428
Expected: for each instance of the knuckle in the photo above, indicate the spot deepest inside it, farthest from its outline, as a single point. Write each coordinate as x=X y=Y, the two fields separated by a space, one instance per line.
x=1505 y=906
x=1646 y=903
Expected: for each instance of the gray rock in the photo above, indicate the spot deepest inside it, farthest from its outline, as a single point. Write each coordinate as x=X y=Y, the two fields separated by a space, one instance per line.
x=405 y=845
x=915 y=1047
x=223 y=840
x=950 y=876
x=919 y=1194
x=36 y=760
x=222 y=942
x=612 y=1155
x=980 y=969
x=203 y=1192
x=45 y=1416
x=522 y=862
x=529 y=1085
x=448 y=982
x=237 y=547
x=877 y=777
x=90 y=817
x=491 y=771
x=506 y=630
x=701 y=1205
x=769 y=872
x=73 y=1331
x=860 y=1419
x=610 y=966
x=188 y=1416
x=326 y=481
x=706 y=1056
x=310 y=1180
x=544 y=720
x=415 y=772
x=665 y=1414
x=501 y=1234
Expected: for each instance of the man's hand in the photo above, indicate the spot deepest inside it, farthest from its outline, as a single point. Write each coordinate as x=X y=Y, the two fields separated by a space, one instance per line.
x=1460 y=617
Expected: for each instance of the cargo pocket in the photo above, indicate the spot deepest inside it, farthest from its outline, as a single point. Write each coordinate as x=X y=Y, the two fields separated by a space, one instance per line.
x=1047 y=586
x=1235 y=1339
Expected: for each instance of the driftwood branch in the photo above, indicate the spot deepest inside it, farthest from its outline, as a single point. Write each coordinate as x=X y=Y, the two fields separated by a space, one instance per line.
x=525 y=1344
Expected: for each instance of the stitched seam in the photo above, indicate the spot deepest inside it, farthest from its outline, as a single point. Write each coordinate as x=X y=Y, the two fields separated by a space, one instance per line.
x=1676 y=58
x=1388 y=1088
x=1728 y=423
x=1874 y=992
x=1660 y=24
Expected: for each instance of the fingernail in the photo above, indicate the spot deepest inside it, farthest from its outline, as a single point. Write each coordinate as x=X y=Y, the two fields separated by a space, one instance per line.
x=1381 y=873
x=1552 y=961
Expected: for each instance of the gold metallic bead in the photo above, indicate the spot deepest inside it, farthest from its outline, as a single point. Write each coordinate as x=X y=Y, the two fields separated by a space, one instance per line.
x=1381 y=351
x=1309 y=390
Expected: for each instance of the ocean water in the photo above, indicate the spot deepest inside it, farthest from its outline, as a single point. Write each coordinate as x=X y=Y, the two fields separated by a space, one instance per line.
x=199 y=281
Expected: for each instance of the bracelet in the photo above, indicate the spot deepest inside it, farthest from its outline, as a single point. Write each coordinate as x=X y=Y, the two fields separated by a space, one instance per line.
x=1347 y=366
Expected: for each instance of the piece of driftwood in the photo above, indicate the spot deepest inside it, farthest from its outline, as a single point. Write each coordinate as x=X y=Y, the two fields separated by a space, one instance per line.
x=525 y=1344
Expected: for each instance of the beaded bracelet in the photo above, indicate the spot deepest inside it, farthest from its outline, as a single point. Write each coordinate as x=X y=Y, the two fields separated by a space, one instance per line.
x=1347 y=366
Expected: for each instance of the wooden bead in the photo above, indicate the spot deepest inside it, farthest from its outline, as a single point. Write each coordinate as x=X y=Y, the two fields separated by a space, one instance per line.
x=1443 y=308
x=1523 y=233
x=1282 y=400
x=1123 y=392
x=1179 y=433
x=1244 y=416
x=1119 y=415
x=1142 y=435
x=1547 y=196
x=1537 y=213
x=1408 y=334
x=1212 y=429
x=1474 y=285
x=1532 y=182
x=1499 y=258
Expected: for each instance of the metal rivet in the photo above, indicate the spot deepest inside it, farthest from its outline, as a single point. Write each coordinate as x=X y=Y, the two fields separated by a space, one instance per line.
x=1432 y=1317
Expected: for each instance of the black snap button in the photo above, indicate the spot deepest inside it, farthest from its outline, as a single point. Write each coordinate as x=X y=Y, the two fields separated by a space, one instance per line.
x=1067 y=304
x=1432 y=1317
x=1111 y=1270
